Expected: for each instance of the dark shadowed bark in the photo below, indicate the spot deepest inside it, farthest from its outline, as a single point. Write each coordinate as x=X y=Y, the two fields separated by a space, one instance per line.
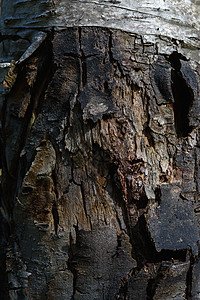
x=100 y=165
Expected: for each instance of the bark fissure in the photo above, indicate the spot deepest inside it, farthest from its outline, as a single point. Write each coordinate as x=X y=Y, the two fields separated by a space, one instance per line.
x=84 y=198
x=189 y=278
x=72 y=264
x=83 y=70
x=183 y=97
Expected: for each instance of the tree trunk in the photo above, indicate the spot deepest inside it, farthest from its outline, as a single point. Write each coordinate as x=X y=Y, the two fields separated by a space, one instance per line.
x=100 y=150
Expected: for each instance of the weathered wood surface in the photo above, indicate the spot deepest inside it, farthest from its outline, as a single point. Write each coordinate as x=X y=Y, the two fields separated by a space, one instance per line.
x=99 y=151
x=172 y=24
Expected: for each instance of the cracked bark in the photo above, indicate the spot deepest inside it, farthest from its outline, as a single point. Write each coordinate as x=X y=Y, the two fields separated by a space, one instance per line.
x=99 y=160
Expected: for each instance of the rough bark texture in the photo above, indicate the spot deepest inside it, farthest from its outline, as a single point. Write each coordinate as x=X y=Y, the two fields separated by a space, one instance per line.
x=100 y=166
x=170 y=24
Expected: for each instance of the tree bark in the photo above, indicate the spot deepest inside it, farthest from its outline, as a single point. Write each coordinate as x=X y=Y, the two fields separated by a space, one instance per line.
x=99 y=150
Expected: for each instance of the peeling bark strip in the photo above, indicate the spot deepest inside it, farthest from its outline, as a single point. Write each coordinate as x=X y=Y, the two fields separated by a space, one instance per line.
x=100 y=172
x=174 y=24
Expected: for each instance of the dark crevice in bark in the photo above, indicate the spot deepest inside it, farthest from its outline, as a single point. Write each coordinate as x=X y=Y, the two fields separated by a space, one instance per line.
x=183 y=101
x=113 y=185
x=175 y=58
x=78 y=119
x=113 y=61
x=13 y=37
x=196 y=175
x=119 y=244
x=158 y=195
x=117 y=194
x=55 y=216
x=110 y=48
x=84 y=71
x=83 y=67
x=142 y=202
x=72 y=263
x=151 y=288
x=107 y=90
x=145 y=250
x=37 y=92
x=55 y=213
x=123 y=289
x=171 y=255
x=84 y=198
x=189 y=278
x=44 y=77
x=6 y=206
x=183 y=96
x=152 y=284
x=147 y=132
x=4 y=233
x=54 y=206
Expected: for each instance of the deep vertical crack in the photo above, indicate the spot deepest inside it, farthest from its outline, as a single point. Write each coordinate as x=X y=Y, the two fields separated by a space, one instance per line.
x=55 y=216
x=72 y=263
x=54 y=206
x=189 y=278
x=84 y=198
x=183 y=96
x=83 y=69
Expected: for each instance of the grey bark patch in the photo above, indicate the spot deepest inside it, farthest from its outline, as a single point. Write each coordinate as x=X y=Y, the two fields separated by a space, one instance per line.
x=196 y=281
x=137 y=285
x=172 y=224
x=96 y=104
x=172 y=281
x=63 y=278
x=102 y=259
